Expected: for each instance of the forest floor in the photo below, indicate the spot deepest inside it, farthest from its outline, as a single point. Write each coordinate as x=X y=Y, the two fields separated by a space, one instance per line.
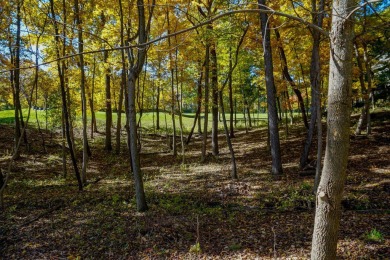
x=195 y=210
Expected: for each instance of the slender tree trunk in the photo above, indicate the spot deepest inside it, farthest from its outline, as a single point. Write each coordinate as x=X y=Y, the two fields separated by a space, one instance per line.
x=271 y=98
x=90 y=98
x=132 y=78
x=363 y=116
x=199 y=101
x=329 y=193
x=287 y=76
x=158 y=98
x=108 y=145
x=174 y=148
x=83 y=96
x=63 y=96
x=123 y=83
x=206 y=100
x=231 y=107
x=228 y=140
x=367 y=101
x=214 y=109
x=315 y=78
x=16 y=80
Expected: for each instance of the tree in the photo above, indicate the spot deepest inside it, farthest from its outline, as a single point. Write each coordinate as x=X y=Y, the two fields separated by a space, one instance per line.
x=82 y=88
x=61 y=71
x=271 y=98
x=330 y=189
x=134 y=73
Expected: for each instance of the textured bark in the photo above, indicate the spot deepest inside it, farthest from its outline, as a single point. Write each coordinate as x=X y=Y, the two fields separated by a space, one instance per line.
x=108 y=145
x=271 y=99
x=123 y=84
x=60 y=68
x=214 y=109
x=329 y=193
x=206 y=101
x=134 y=73
x=174 y=148
x=83 y=96
x=90 y=99
x=16 y=81
x=231 y=107
x=315 y=79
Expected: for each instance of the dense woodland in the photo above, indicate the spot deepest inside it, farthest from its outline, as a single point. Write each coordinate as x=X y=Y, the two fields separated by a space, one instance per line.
x=194 y=129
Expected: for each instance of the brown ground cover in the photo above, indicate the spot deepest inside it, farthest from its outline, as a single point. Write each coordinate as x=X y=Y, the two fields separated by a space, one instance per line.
x=196 y=210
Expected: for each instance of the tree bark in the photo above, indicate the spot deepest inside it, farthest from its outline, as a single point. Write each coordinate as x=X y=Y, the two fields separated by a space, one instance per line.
x=83 y=96
x=206 y=100
x=329 y=193
x=315 y=78
x=199 y=101
x=64 y=99
x=108 y=145
x=174 y=148
x=90 y=99
x=271 y=97
x=16 y=80
x=134 y=72
x=214 y=109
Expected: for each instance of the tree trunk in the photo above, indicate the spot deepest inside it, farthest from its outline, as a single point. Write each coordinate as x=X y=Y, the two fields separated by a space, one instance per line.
x=199 y=101
x=108 y=145
x=158 y=98
x=16 y=80
x=132 y=78
x=206 y=100
x=363 y=115
x=90 y=98
x=60 y=68
x=83 y=96
x=231 y=107
x=214 y=87
x=228 y=140
x=174 y=148
x=329 y=193
x=367 y=101
x=315 y=78
x=271 y=99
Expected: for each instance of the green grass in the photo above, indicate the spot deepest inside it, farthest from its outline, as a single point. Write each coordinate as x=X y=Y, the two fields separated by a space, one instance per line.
x=148 y=120
x=374 y=236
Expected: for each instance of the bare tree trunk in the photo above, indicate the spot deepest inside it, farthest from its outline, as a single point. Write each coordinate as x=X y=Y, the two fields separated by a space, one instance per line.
x=83 y=96
x=228 y=140
x=174 y=148
x=198 y=110
x=206 y=101
x=214 y=109
x=231 y=107
x=158 y=98
x=91 y=95
x=271 y=99
x=16 y=80
x=330 y=189
x=108 y=145
x=315 y=78
x=287 y=76
x=367 y=62
x=363 y=115
x=134 y=73
x=60 y=68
